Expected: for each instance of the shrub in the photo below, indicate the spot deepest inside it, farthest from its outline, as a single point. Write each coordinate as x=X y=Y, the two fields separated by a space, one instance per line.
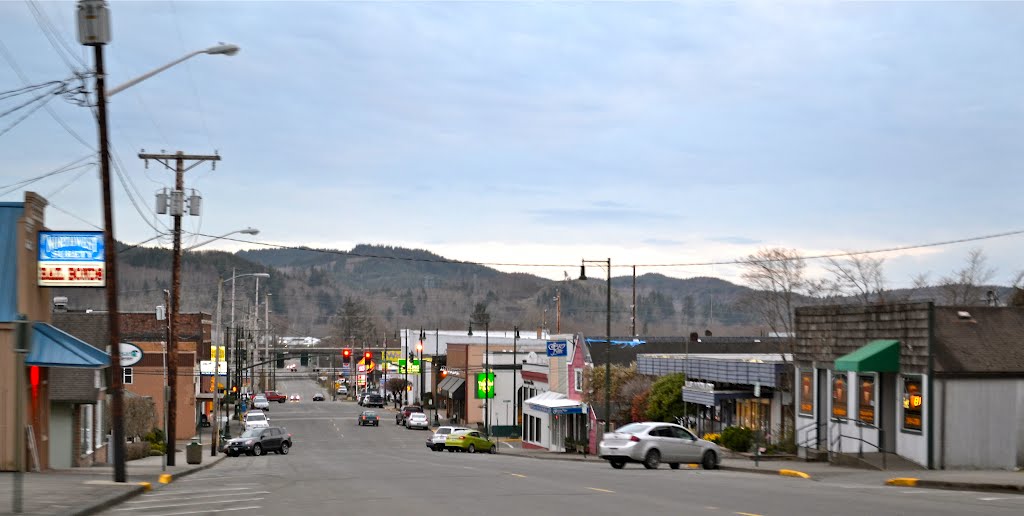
x=715 y=438
x=136 y=450
x=738 y=438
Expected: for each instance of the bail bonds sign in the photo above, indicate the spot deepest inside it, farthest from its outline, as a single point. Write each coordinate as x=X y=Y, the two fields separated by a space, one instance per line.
x=71 y=259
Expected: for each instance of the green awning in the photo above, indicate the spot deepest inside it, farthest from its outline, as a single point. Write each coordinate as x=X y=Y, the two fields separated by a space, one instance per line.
x=877 y=356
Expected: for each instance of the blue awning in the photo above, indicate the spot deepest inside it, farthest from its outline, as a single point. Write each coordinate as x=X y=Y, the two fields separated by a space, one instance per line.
x=54 y=348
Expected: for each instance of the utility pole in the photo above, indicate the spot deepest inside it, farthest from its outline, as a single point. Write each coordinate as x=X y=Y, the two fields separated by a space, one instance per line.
x=177 y=208
x=94 y=31
x=558 y=311
x=633 y=316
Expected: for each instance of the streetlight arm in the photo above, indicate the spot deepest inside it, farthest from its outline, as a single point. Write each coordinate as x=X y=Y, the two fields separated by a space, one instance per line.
x=248 y=231
x=225 y=49
x=147 y=75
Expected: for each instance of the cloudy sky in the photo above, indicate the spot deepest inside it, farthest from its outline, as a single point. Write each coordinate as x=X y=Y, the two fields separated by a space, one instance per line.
x=651 y=133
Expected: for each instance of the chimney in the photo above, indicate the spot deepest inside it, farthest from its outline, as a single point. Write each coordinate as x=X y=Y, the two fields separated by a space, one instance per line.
x=707 y=333
x=60 y=304
x=694 y=337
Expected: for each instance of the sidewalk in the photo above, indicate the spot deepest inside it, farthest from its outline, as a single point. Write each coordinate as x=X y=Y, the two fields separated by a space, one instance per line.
x=987 y=480
x=81 y=491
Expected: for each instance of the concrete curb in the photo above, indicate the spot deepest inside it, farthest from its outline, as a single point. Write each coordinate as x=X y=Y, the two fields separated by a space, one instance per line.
x=783 y=472
x=955 y=486
x=139 y=489
x=109 y=502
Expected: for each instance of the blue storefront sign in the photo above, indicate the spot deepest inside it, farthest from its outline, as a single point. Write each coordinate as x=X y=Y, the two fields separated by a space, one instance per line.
x=558 y=348
x=71 y=259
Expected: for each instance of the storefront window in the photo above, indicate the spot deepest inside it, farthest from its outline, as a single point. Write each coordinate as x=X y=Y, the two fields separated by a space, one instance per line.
x=807 y=393
x=840 y=395
x=866 y=399
x=913 y=403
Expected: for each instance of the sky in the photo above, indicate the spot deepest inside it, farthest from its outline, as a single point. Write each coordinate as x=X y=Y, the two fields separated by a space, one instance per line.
x=545 y=133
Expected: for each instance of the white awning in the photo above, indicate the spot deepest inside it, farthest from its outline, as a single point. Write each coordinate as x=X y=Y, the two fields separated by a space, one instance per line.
x=555 y=403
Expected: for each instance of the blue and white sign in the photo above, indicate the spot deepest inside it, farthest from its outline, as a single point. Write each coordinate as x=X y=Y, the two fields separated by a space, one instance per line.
x=71 y=259
x=558 y=348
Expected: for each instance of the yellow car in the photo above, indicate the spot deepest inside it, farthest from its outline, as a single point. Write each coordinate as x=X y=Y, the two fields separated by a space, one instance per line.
x=468 y=441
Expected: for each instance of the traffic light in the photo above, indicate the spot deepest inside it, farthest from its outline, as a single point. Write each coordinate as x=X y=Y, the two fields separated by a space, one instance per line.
x=346 y=354
x=368 y=356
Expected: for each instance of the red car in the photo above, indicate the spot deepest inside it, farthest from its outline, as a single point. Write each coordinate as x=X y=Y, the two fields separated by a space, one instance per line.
x=275 y=396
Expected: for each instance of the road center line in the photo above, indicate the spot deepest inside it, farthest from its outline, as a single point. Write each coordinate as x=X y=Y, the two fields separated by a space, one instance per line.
x=747 y=514
x=599 y=489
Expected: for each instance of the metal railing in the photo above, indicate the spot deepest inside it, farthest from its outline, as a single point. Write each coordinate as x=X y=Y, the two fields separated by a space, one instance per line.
x=806 y=429
x=836 y=443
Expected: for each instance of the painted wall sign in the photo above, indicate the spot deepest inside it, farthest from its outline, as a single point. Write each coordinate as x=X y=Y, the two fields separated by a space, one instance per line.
x=71 y=259
x=807 y=392
x=558 y=348
x=840 y=393
x=866 y=399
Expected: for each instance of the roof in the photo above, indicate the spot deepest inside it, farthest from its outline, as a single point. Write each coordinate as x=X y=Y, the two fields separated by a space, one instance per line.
x=625 y=354
x=52 y=347
x=69 y=385
x=90 y=327
x=877 y=356
x=980 y=340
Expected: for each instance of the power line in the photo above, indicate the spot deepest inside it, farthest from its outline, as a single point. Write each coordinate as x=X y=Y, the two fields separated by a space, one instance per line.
x=17 y=69
x=64 y=168
x=740 y=261
x=70 y=214
x=60 y=189
x=53 y=35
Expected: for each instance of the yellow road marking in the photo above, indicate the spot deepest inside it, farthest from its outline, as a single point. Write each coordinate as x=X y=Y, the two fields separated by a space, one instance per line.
x=905 y=482
x=793 y=473
x=601 y=490
x=166 y=478
x=146 y=485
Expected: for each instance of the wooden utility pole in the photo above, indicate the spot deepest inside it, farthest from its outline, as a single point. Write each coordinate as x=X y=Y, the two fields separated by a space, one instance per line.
x=177 y=210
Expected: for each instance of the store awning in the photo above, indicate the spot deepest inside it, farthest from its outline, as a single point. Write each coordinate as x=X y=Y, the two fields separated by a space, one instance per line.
x=714 y=398
x=450 y=386
x=54 y=348
x=877 y=356
x=555 y=403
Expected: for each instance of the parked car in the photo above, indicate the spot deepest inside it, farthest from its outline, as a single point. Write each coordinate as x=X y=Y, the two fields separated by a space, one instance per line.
x=362 y=399
x=406 y=410
x=257 y=441
x=468 y=441
x=367 y=418
x=436 y=441
x=260 y=401
x=417 y=420
x=256 y=419
x=651 y=443
x=275 y=396
x=342 y=391
x=373 y=400
x=319 y=397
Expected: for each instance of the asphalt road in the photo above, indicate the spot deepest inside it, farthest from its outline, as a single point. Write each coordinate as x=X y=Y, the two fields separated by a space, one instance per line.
x=336 y=467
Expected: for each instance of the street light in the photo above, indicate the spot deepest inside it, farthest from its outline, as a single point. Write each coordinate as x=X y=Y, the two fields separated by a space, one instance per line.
x=221 y=49
x=94 y=30
x=247 y=231
x=234 y=331
x=608 y=342
x=419 y=348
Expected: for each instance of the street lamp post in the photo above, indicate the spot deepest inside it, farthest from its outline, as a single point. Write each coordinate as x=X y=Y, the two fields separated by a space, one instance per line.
x=94 y=30
x=246 y=231
x=419 y=348
x=515 y=365
x=234 y=331
x=608 y=341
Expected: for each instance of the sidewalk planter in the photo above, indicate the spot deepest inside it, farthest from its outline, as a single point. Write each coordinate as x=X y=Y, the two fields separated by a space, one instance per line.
x=194 y=452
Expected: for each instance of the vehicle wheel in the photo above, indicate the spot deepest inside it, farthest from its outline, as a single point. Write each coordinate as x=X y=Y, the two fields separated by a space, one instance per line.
x=673 y=465
x=652 y=459
x=617 y=463
x=708 y=462
x=493 y=450
x=284 y=448
x=376 y=424
x=257 y=450
x=231 y=454
x=451 y=450
x=472 y=448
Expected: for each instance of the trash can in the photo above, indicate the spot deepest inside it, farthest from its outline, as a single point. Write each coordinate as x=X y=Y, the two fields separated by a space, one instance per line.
x=194 y=452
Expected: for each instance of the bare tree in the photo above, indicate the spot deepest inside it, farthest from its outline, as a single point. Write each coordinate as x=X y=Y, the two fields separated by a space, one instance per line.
x=858 y=276
x=777 y=278
x=966 y=286
x=1018 y=289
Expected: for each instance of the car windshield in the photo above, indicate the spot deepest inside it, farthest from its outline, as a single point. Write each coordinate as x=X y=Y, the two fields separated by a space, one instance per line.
x=370 y=414
x=260 y=398
x=443 y=431
x=633 y=428
x=418 y=415
x=250 y=433
x=256 y=417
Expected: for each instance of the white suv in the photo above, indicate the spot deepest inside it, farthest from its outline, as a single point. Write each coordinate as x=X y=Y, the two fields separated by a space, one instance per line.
x=436 y=441
x=256 y=420
x=259 y=401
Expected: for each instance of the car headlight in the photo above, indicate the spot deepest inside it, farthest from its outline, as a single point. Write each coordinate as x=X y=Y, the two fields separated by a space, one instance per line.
x=248 y=442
